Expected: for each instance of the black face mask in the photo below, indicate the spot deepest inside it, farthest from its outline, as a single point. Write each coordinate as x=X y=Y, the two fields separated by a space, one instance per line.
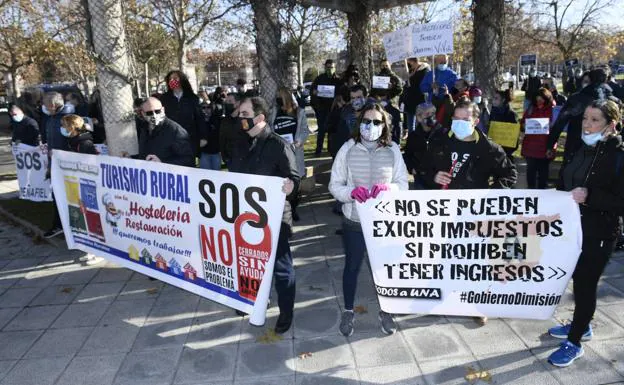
x=430 y=121
x=279 y=101
x=229 y=108
x=410 y=68
x=245 y=124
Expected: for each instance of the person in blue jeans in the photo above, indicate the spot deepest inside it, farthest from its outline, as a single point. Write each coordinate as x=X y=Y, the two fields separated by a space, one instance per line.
x=354 y=180
x=593 y=176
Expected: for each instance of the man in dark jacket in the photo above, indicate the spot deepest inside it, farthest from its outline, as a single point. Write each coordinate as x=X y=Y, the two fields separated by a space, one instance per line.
x=163 y=140
x=322 y=100
x=268 y=154
x=530 y=87
x=412 y=95
x=182 y=106
x=53 y=109
x=417 y=145
x=229 y=134
x=25 y=129
x=395 y=88
x=571 y=114
x=465 y=158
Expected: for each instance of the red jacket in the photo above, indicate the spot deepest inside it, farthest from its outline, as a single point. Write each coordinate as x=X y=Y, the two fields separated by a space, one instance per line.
x=535 y=146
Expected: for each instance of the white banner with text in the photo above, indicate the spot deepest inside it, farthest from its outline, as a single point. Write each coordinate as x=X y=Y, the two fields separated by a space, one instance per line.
x=31 y=163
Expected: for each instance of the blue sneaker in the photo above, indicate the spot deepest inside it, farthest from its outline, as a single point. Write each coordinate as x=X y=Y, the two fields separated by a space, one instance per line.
x=562 y=332
x=566 y=354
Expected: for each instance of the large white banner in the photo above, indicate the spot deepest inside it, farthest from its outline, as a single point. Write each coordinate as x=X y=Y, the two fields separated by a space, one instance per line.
x=209 y=232
x=31 y=163
x=498 y=253
x=419 y=40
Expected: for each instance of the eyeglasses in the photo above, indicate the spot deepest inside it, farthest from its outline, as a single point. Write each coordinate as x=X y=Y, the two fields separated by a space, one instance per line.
x=152 y=113
x=376 y=122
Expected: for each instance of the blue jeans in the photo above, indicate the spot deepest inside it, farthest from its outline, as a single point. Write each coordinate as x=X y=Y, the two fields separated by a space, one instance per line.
x=284 y=274
x=355 y=248
x=210 y=161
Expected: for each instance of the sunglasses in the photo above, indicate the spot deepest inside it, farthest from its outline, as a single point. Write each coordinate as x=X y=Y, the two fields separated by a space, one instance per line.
x=152 y=113
x=376 y=122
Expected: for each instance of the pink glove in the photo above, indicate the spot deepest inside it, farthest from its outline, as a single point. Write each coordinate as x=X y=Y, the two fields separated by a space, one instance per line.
x=360 y=194
x=377 y=188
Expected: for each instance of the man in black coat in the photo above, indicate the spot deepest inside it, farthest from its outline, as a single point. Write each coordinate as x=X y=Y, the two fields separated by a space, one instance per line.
x=571 y=114
x=530 y=87
x=183 y=107
x=322 y=101
x=412 y=96
x=163 y=140
x=265 y=153
x=25 y=129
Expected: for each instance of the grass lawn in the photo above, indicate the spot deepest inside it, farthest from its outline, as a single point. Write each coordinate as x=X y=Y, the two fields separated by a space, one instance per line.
x=39 y=214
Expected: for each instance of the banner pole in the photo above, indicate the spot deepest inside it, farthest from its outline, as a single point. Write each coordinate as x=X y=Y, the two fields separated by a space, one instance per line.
x=408 y=73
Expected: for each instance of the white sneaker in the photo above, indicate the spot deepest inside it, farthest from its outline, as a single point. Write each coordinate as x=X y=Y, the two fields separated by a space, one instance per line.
x=90 y=259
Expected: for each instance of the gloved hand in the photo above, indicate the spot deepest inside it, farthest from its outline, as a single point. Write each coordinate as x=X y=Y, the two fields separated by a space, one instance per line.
x=377 y=188
x=360 y=194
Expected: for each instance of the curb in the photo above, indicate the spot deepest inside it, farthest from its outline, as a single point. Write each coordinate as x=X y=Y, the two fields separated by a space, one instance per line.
x=30 y=227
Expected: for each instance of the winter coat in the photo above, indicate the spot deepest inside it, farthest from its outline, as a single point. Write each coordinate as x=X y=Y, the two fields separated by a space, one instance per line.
x=51 y=129
x=572 y=115
x=301 y=135
x=487 y=159
x=504 y=114
x=356 y=166
x=412 y=95
x=530 y=87
x=345 y=128
x=211 y=134
x=535 y=146
x=26 y=131
x=446 y=77
x=395 y=117
x=169 y=142
x=333 y=121
x=82 y=143
x=444 y=110
x=605 y=185
x=324 y=104
x=395 y=88
x=230 y=135
x=186 y=113
x=268 y=154
x=416 y=149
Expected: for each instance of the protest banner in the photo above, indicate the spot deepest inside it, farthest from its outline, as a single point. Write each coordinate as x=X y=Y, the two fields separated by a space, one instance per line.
x=381 y=82
x=31 y=163
x=537 y=126
x=528 y=60
x=504 y=134
x=495 y=253
x=419 y=40
x=209 y=232
x=325 y=91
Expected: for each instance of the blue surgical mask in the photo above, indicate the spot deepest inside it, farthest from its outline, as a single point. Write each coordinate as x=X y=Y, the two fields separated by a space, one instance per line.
x=593 y=138
x=462 y=128
x=64 y=132
x=358 y=103
x=370 y=132
x=442 y=67
x=477 y=99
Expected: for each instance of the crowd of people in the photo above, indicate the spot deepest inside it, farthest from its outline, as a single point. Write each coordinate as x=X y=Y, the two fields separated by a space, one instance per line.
x=443 y=122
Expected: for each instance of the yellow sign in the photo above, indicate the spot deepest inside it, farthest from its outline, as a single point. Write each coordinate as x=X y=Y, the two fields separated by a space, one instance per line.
x=505 y=134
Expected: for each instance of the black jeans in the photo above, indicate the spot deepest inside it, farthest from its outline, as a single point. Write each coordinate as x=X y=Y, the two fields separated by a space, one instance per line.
x=284 y=274
x=537 y=173
x=591 y=263
x=321 y=123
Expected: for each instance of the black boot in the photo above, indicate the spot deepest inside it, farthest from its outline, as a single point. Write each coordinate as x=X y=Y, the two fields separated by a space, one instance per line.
x=284 y=321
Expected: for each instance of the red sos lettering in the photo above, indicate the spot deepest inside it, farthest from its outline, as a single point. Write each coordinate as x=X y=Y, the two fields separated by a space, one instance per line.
x=223 y=245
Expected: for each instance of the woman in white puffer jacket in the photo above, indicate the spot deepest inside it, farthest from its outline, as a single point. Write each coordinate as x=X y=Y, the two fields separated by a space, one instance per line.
x=365 y=166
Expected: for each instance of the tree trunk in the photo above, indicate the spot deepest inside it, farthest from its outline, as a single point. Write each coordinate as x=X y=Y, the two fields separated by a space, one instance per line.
x=15 y=85
x=489 y=23
x=182 y=60
x=147 y=87
x=268 y=37
x=300 y=65
x=359 y=43
x=219 y=74
x=106 y=26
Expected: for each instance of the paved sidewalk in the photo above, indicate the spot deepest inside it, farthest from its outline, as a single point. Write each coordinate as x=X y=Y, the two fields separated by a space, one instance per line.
x=63 y=323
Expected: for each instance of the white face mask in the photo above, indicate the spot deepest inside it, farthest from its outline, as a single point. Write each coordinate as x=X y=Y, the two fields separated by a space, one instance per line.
x=156 y=119
x=370 y=132
x=462 y=128
x=18 y=118
x=591 y=139
x=477 y=99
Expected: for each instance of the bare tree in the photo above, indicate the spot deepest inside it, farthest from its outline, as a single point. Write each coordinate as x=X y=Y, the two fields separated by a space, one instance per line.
x=187 y=19
x=487 y=49
x=268 y=46
x=300 y=22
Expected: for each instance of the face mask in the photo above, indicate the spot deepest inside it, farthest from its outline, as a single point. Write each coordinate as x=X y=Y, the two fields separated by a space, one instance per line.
x=69 y=108
x=583 y=85
x=173 y=84
x=64 y=132
x=532 y=74
x=358 y=103
x=229 y=108
x=477 y=99
x=279 y=101
x=592 y=139
x=370 y=132
x=385 y=70
x=156 y=119
x=462 y=128
x=384 y=103
x=246 y=124
x=330 y=71
x=442 y=67
x=430 y=121
x=18 y=118
x=45 y=110
x=410 y=68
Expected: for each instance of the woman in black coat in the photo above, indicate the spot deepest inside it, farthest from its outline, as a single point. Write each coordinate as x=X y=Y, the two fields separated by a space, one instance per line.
x=502 y=112
x=183 y=107
x=593 y=174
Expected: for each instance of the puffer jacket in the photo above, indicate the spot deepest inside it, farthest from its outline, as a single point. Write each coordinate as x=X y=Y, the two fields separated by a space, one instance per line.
x=535 y=146
x=356 y=166
x=605 y=186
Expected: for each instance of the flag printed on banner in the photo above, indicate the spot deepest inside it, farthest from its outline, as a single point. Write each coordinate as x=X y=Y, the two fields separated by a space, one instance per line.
x=31 y=163
x=209 y=232
x=495 y=253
